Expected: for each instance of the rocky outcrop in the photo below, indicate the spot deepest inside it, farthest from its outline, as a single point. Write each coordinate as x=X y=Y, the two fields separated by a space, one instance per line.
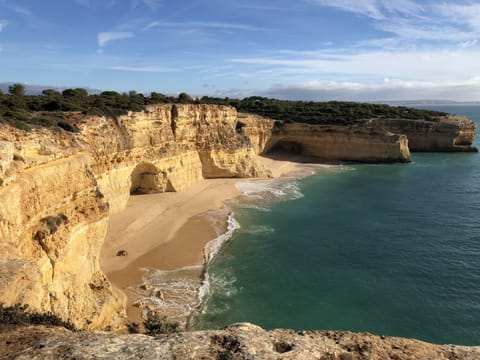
x=450 y=133
x=239 y=341
x=328 y=142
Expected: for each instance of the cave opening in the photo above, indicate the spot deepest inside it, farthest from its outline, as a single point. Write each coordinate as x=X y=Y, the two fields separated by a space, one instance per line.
x=285 y=147
x=145 y=179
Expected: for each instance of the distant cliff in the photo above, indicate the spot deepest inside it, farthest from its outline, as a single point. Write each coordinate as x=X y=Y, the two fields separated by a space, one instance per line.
x=326 y=142
x=450 y=133
x=58 y=188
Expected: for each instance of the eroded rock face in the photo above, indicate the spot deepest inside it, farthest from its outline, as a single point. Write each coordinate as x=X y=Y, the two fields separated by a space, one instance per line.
x=239 y=341
x=360 y=143
x=57 y=190
x=450 y=133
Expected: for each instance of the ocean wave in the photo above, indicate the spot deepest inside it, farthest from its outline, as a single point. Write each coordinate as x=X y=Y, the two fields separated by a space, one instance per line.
x=223 y=286
x=169 y=292
x=214 y=246
x=216 y=218
x=258 y=230
x=270 y=190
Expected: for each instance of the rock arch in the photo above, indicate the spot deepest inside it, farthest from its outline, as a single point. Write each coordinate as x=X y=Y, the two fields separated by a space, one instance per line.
x=146 y=178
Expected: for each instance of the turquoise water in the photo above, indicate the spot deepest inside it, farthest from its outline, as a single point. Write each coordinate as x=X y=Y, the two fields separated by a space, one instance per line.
x=388 y=249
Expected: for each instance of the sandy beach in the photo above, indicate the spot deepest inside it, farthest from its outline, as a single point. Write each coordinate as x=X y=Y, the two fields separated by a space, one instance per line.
x=169 y=231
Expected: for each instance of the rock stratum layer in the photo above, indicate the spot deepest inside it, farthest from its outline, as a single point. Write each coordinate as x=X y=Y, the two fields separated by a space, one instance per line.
x=57 y=189
x=239 y=341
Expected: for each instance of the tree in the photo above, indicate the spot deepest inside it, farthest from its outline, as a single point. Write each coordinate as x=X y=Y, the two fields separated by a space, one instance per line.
x=184 y=98
x=51 y=93
x=17 y=90
x=78 y=93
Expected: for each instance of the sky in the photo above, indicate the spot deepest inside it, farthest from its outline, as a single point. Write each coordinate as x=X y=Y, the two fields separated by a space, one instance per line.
x=370 y=50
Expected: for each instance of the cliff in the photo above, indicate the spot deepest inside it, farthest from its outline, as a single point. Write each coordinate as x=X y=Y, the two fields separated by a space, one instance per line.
x=57 y=188
x=450 y=133
x=327 y=142
x=239 y=341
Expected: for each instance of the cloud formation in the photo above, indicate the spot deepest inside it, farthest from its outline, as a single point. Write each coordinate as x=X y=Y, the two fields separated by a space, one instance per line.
x=201 y=24
x=106 y=37
x=375 y=9
x=149 y=69
x=433 y=65
x=388 y=90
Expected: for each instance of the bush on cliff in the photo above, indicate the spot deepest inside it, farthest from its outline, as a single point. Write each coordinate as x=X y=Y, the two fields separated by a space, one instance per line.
x=22 y=110
x=330 y=112
x=17 y=315
x=156 y=325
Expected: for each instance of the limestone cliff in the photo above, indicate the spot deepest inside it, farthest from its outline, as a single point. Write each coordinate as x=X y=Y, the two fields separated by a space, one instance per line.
x=57 y=188
x=448 y=134
x=166 y=148
x=239 y=341
x=328 y=142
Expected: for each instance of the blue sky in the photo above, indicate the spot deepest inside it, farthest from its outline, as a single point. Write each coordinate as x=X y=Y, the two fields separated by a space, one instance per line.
x=295 y=49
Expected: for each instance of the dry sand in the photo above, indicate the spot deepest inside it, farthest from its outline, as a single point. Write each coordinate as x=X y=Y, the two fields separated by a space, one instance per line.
x=167 y=231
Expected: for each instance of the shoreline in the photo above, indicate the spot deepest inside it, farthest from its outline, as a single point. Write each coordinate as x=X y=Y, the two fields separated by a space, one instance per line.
x=165 y=236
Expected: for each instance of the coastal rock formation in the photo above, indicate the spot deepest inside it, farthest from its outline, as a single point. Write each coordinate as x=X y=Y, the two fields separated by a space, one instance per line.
x=327 y=142
x=447 y=134
x=166 y=148
x=58 y=188
x=238 y=341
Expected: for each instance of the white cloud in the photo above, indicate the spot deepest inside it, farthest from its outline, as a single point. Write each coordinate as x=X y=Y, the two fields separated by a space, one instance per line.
x=150 y=69
x=463 y=14
x=3 y=24
x=386 y=90
x=406 y=19
x=105 y=37
x=21 y=10
x=365 y=7
x=406 y=29
x=202 y=24
x=152 y=4
x=375 y=9
x=469 y=43
x=435 y=65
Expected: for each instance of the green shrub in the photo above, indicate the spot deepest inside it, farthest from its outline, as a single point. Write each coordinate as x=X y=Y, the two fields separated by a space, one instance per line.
x=17 y=315
x=155 y=325
x=133 y=328
x=67 y=127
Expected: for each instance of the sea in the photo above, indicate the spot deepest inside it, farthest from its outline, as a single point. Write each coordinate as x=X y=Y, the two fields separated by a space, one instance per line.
x=387 y=249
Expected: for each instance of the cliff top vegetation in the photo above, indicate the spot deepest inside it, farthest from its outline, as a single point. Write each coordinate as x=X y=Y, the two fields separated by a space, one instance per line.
x=47 y=109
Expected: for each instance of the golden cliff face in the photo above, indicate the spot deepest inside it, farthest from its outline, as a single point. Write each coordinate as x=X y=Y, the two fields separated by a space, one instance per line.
x=166 y=148
x=327 y=142
x=448 y=134
x=57 y=190
x=52 y=222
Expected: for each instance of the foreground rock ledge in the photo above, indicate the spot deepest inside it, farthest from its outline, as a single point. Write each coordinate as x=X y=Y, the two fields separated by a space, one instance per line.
x=238 y=341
